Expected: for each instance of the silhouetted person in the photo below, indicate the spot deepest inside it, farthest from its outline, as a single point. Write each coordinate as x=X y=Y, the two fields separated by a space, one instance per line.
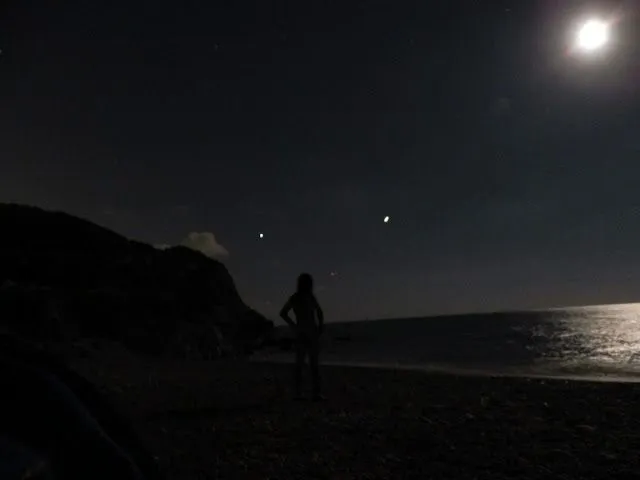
x=307 y=328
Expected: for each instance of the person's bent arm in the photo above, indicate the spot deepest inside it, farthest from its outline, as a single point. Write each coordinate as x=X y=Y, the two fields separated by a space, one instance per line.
x=284 y=314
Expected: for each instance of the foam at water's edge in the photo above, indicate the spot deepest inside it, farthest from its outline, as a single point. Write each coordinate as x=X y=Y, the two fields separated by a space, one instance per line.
x=613 y=376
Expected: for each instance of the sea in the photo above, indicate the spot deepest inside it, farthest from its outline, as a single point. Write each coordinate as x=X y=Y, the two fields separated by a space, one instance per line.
x=594 y=342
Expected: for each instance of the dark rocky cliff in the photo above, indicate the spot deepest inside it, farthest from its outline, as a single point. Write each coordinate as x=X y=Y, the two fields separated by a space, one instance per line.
x=64 y=278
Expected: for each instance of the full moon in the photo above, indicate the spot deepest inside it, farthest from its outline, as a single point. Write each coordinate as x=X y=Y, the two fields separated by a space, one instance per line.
x=593 y=35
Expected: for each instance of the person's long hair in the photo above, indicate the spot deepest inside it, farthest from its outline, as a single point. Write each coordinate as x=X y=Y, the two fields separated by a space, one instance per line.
x=305 y=284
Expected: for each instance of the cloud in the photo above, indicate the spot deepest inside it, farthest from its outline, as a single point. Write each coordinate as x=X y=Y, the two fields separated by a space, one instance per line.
x=162 y=246
x=206 y=243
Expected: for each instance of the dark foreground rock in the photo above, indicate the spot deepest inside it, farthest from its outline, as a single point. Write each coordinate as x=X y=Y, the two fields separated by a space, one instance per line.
x=55 y=424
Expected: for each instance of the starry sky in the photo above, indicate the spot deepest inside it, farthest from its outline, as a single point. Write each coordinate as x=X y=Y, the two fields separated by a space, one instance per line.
x=507 y=162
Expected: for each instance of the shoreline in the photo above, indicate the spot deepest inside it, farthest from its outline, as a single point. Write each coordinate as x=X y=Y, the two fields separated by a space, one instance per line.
x=605 y=376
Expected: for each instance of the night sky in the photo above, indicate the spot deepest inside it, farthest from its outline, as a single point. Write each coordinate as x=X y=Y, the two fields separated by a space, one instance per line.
x=509 y=164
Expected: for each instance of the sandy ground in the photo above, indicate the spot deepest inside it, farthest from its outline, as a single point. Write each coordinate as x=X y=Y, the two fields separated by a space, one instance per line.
x=238 y=420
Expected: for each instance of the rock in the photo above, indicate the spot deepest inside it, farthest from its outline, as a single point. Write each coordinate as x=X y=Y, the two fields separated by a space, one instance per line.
x=58 y=416
x=65 y=278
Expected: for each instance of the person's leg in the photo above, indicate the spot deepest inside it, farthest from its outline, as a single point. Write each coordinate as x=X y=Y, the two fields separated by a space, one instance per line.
x=297 y=380
x=314 y=354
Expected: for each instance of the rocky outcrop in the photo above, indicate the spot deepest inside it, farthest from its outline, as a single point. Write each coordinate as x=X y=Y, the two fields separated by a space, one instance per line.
x=64 y=278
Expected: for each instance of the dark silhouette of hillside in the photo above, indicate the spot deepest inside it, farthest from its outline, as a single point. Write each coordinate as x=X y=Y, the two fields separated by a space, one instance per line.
x=65 y=278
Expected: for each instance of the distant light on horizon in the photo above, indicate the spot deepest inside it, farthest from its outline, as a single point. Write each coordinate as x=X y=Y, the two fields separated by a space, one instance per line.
x=261 y=235
x=386 y=219
x=593 y=35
